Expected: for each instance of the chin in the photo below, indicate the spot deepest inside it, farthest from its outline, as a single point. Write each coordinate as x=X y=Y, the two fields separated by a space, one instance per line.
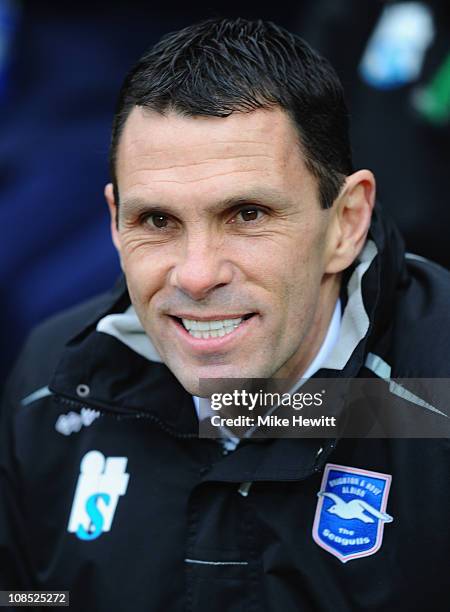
x=215 y=380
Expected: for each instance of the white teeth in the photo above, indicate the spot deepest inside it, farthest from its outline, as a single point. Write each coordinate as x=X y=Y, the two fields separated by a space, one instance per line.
x=216 y=324
x=211 y=329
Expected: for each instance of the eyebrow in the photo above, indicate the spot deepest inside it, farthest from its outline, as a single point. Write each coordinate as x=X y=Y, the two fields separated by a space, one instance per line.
x=264 y=195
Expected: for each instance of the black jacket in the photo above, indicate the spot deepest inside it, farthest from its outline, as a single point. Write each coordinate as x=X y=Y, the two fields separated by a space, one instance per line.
x=168 y=521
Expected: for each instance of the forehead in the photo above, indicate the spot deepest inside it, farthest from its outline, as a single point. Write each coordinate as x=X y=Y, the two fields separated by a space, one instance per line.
x=171 y=153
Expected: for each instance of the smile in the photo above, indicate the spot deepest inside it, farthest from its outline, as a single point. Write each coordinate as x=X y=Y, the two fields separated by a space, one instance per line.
x=213 y=328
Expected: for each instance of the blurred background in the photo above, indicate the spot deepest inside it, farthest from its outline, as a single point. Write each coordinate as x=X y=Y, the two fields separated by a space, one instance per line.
x=61 y=65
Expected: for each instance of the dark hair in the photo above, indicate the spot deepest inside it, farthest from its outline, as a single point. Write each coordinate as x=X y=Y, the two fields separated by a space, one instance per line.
x=217 y=67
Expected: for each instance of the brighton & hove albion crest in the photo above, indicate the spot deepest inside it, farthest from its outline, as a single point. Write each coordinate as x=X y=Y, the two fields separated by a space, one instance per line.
x=351 y=511
x=101 y=482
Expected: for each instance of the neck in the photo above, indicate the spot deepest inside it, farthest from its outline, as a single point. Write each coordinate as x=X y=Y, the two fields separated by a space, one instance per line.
x=318 y=329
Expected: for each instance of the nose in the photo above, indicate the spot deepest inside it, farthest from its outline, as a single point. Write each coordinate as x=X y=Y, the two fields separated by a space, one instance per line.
x=201 y=267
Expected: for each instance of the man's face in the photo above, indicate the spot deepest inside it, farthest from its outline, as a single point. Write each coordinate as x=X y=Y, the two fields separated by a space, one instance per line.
x=223 y=243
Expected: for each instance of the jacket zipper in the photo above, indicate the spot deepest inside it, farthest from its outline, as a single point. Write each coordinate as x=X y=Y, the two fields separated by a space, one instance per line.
x=123 y=414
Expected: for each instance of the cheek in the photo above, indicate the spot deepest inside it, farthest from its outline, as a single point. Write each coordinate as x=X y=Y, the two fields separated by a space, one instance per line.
x=145 y=277
x=286 y=265
x=296 y=283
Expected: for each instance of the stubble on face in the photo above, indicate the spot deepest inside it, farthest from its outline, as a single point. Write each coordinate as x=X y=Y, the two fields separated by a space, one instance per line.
x=196 y=176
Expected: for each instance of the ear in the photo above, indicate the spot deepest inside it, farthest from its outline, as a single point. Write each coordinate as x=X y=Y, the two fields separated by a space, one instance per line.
x=351 y=220
x=109 y=196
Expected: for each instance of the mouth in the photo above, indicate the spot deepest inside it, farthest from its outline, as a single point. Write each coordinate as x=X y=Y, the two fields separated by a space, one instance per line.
x=217 y=327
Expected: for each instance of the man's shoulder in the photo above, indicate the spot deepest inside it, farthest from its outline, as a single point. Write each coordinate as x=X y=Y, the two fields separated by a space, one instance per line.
x=46 y=342
x=421 y=324
x=59 y=328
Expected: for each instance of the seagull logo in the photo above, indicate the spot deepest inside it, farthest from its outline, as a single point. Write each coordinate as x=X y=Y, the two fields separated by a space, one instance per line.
x=354 y=509
x=351 y=515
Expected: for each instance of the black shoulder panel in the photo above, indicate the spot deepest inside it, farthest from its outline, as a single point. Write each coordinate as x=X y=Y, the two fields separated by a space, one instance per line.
x=45 y=344
x=421 y=326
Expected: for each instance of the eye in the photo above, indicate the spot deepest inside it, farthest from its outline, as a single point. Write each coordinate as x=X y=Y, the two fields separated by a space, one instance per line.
x=248 y=214
x=157 y=220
